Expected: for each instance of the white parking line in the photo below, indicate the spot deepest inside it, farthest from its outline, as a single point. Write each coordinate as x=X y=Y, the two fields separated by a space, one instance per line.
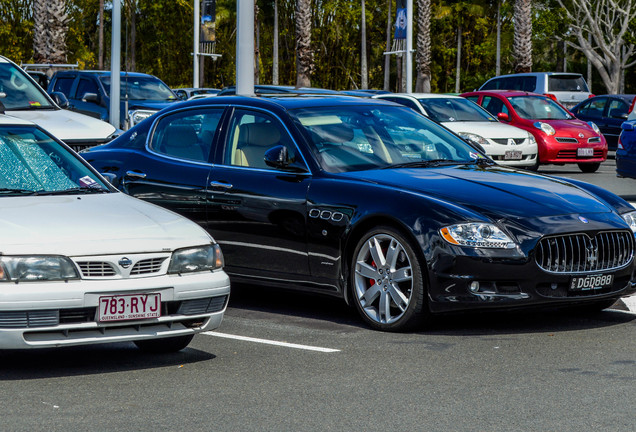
x=630 y=302
x=271 y=342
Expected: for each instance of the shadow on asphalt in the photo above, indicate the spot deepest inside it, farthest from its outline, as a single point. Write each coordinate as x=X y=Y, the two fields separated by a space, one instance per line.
x=89 y=360
x=288 y=304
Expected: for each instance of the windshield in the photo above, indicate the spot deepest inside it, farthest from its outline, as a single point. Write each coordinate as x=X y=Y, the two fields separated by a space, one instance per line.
x=452 y=110
x=352 y=138
x=18 y=92
x=33 y=162
x=538 y=108
x=141 y=88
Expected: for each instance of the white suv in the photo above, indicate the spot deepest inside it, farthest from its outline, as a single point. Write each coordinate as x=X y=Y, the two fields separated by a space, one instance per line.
x=22 y=97
x=566 y=88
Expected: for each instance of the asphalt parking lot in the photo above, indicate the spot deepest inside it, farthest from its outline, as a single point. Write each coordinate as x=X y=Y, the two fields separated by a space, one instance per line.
x=285 y=361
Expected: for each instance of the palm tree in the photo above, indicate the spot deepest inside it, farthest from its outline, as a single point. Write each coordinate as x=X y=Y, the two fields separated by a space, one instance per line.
x=304 y=55
x=522 y=42
x=423 y=52
x=49 y=31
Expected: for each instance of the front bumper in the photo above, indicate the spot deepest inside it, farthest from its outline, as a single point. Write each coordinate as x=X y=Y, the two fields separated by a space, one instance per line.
x=54 y=314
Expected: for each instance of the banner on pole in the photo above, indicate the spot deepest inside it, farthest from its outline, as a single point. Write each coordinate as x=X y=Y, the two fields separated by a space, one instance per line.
x=207 y=37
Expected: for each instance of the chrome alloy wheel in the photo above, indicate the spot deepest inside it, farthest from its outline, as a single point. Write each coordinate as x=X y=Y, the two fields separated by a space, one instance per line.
x=383 y=280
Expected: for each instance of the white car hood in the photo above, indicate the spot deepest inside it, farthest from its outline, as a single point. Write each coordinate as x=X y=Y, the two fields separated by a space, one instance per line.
x=67 y=125
x=100 y=224
x=487 y=129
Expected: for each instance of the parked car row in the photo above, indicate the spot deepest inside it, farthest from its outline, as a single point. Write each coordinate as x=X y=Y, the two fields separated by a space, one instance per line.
x=402 y=215
x=371 y=202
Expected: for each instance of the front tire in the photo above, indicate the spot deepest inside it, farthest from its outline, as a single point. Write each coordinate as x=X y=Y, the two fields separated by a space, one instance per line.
x=387 y=281
x=164 y=345
x=589 y=167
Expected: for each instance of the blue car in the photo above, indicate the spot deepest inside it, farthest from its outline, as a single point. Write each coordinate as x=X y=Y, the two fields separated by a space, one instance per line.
x=608 y=112
x=626 y=151
x=371 y=202
x=88 y=92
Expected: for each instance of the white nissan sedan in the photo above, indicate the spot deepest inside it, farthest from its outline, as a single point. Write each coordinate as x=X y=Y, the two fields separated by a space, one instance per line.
x=81 y=263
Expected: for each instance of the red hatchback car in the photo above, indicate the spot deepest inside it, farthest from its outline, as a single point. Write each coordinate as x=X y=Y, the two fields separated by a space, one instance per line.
x=561 y=137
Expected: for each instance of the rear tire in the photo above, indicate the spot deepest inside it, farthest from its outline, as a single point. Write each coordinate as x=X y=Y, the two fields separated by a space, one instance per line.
x=164 y=345
x=589 y=167
x=387 y=282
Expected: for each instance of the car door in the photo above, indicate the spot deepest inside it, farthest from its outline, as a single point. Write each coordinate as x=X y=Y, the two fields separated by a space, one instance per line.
x=173 y=169
x=256 y=212
x=88 y=98
x=615 y=115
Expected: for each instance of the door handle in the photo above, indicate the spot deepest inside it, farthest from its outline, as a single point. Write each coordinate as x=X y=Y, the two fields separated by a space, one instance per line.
x=135 y=174
x=222 y=185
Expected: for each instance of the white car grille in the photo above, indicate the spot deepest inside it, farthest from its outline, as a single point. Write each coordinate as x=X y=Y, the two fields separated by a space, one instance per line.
x=120 y=266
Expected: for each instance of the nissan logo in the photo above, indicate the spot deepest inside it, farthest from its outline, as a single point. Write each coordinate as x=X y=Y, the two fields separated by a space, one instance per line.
x=125 y=262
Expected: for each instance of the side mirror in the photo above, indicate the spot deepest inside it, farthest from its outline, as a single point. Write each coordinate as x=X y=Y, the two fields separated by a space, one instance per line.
x=627 y=126
x=91 y=97
x=503 y=117
x=277 y=157
x=111 y=177
x=60 y=99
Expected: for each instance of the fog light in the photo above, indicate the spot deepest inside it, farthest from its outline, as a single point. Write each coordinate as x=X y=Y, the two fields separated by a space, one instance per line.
x=474 y=287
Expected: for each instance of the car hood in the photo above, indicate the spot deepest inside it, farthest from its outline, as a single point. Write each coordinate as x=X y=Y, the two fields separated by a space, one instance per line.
x=67 y=125
x=496 y=192
x=101 y=224
x=149 y=105
x=487 y=129
x=572 y=127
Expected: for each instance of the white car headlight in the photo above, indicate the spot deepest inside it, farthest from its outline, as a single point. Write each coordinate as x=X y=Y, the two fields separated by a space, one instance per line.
x=137 y=116
x=549 y=130
x=36 y=268
x=531 y=139
x=593 y=126
x=630 y=218
x=473 y=137
x=196 y=259
x=479 y=235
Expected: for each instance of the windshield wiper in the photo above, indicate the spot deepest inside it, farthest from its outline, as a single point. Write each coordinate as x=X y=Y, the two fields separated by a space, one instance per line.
x=423 y=164
x=17 y=191
x=75 y=191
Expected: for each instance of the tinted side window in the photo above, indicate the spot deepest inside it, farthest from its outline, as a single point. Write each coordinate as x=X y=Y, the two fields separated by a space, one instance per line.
x=494 y=105
x=593 y=108
x=86 y=86
x=617 y=109
x=64 y=84
x=187 y=134
x=250 y=135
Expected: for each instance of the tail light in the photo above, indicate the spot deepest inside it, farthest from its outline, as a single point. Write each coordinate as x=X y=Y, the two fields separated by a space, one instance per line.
x=631 y=107
x=591 y=96
x=551 y=96
x=620 y=143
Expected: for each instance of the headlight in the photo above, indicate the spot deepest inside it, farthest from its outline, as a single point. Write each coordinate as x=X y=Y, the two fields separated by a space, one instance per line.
x=137 y=116
x=481 y=235
x=36 y=268
x=531 y=139
x=630 y=218
x=196 y=259
x=593 y=126
x=473 y=137
x=549 y=130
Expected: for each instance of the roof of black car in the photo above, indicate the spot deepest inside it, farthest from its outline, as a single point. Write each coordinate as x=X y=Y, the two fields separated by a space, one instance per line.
x=100 y=73
x=288 y=101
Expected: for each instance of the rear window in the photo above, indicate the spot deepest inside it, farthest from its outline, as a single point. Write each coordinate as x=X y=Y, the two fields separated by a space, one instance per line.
x=567 y=83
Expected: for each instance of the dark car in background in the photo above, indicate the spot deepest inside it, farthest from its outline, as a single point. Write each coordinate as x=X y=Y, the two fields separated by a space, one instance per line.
x=626 y=150
x=372 y=202
x=88 y=92
x=608 y=112
x=186 y=93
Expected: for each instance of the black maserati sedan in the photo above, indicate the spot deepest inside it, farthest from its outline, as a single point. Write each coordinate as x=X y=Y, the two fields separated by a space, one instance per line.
x=372 y=202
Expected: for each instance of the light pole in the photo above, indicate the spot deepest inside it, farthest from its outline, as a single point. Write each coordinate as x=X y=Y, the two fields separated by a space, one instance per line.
x=245 y=47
